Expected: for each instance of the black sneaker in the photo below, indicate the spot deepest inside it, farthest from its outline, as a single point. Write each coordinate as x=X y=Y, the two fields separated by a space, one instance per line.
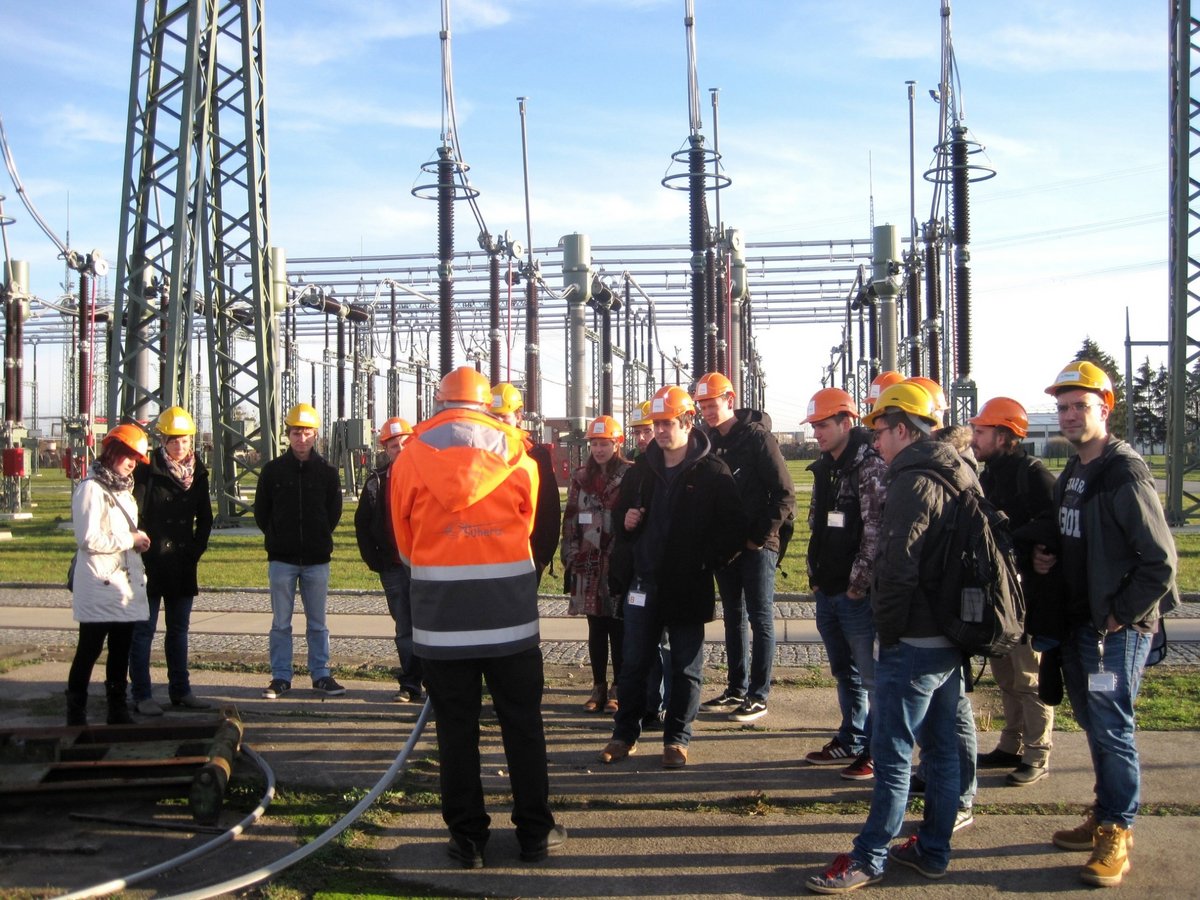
x=408 y=695
x=749 y=711
x=653 y=721
x=997 y=759
x=727 y=699
x=328 y=687
x=276 y=689
x=555 y=838
x=1025 y=774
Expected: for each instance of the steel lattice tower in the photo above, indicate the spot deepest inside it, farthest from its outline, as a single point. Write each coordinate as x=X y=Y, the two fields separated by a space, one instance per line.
x=194 y=213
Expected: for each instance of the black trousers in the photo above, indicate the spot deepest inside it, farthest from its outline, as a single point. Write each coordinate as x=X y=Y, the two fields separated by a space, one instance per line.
x=87 y=651
x=516 y=683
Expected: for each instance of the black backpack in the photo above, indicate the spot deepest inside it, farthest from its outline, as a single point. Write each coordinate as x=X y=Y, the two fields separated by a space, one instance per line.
x=979 y=604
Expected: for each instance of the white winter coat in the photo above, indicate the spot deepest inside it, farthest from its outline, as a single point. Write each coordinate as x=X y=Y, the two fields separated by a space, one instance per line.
x=110 y=580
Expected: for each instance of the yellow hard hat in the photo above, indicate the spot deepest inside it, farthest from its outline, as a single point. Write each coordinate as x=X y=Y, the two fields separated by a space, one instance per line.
x=302 y=416
x=934 y=389
x=174 y=421
x=506 y=399
x=642 y=416
x=1082 y=375
x=907 y=396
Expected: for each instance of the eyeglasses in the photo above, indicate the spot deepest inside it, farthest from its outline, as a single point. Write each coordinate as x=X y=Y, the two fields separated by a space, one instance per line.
x=877 y=433
x=1079 y=406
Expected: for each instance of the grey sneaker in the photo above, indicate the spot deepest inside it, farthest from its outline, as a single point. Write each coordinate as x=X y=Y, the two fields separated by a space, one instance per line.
x=328 y=687
x=148 y=707
x=844 y=875
x=908 y=854
x=963 y=818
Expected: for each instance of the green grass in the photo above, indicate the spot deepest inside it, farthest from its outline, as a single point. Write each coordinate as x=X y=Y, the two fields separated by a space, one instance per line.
x=40 y=549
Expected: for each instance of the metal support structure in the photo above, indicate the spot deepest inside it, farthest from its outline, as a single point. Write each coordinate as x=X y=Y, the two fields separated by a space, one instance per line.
x=1183 y=425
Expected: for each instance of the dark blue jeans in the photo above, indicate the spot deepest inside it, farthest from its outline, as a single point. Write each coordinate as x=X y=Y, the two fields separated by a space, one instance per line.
x=178 y=614
x=747 y=587
x=516 y=684
x=848 y=632
x=916 y=697
x=1107 y=716
x=395 y=583
x=643 y=630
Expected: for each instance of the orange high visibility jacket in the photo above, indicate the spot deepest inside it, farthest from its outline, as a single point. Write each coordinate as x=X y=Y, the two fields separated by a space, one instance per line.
x=463 y=498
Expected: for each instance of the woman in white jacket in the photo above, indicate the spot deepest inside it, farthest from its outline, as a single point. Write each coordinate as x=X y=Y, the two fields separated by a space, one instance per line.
x=109 y=588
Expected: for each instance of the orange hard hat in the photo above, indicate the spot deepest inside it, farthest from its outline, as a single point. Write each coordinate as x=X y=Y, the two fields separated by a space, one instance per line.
x=670 y=402
x=1004 y=411
x=935 y=391
x=132 y=437
x=879 y=383
x=393 y=427
x=828 y=402
x=464 y=385
x=714 y=384
x=1083 y=375
x=605 y=427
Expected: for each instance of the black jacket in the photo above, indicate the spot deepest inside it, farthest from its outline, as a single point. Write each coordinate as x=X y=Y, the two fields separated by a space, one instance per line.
x=547 y=520
x=764 y=483
x=912 y=540
x=373 y=523
x=178 y=522
x=705 y=528
x=298 y=505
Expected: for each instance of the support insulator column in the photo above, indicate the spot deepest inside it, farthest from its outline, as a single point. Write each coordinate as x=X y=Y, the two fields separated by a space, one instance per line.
x=697 y=211
x=445 y=196
x=962 y=251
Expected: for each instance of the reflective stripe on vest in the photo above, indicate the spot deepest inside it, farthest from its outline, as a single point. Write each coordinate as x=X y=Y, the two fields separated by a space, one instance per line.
x=475 y=638
x=478 y=572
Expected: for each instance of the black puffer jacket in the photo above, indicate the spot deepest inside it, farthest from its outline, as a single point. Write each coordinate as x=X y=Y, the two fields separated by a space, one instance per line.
x=178 y=521
x=912 y=536
x=760 y=472
x=373 y=523
x=298 y=505
x=704 y=530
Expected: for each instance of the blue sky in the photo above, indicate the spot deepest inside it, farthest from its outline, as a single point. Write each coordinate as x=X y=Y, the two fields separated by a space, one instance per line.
x=1069 y=98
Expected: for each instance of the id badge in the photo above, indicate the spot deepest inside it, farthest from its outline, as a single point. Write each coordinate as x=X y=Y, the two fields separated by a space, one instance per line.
x=637 y=598
x=585 y=518
x=1102 y=682
x=835 y=519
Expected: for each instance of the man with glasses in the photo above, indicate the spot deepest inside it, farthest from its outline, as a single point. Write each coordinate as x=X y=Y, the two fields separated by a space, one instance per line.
x=918 y=672
x=297 y=505
x=1118 y=560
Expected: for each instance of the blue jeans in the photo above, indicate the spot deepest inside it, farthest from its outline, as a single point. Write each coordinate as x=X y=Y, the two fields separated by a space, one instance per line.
x=658 y=682
x=395 y=583
x=848 y=632
x=643 y=630
x=968 y=746
x=916 y=693
x=747 y=587
x=1107 y=716
x=178 y=613
x=313 y=584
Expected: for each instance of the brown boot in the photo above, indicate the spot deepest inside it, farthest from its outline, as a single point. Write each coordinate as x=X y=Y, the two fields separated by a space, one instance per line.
x=1081 y=837
x=612 y=706
x=1110 y=857
x=597 y=699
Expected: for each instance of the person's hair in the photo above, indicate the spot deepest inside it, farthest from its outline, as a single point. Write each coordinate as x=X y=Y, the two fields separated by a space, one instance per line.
x=618 y=458
x=1008 y=437
x=113 y=451
x=916 y=426
x=957 y=436
x=687 y=419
